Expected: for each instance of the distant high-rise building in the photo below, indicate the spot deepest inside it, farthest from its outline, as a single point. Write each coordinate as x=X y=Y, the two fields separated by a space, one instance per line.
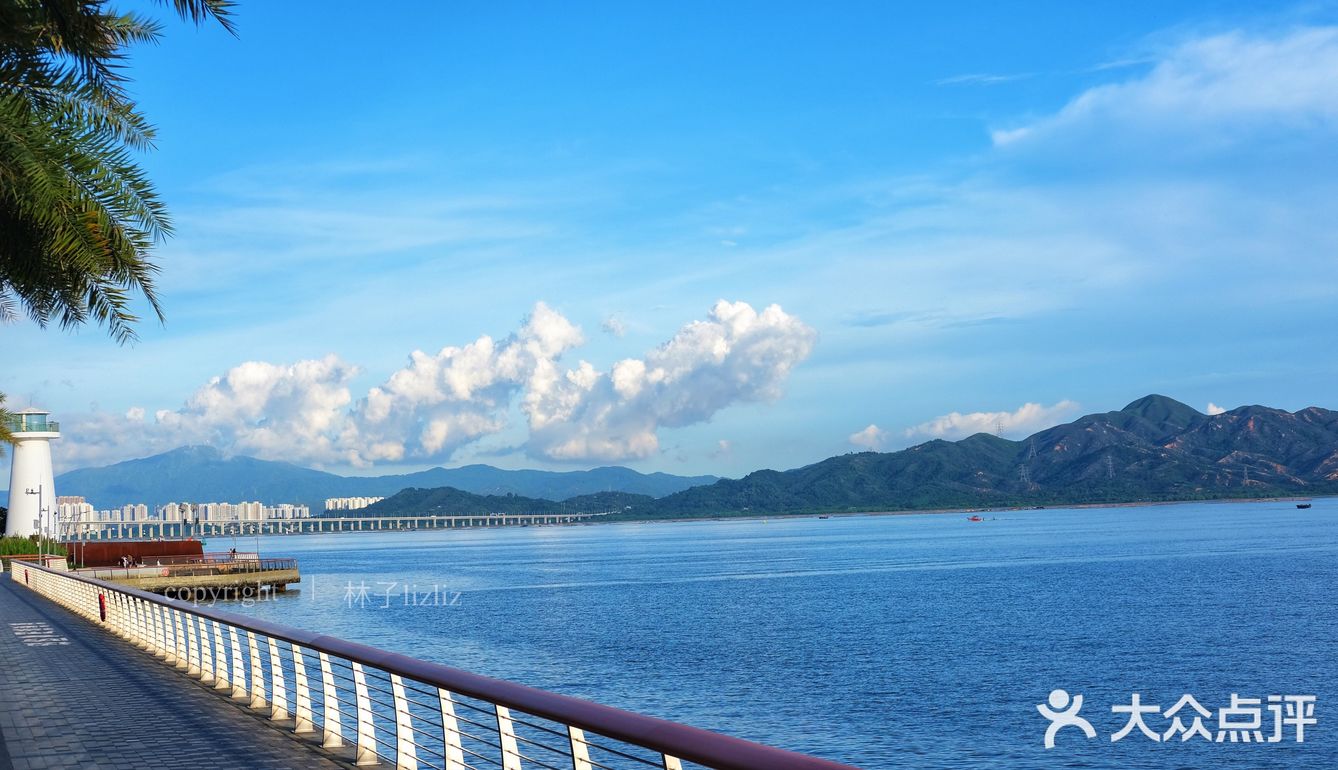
x=350 y=503
x=227 y=512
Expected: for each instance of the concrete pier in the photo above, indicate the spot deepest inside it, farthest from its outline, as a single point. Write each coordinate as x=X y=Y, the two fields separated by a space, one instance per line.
x=199 y=582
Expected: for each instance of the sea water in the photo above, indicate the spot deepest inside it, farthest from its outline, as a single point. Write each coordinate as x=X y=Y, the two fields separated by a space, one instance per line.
x=882 y=641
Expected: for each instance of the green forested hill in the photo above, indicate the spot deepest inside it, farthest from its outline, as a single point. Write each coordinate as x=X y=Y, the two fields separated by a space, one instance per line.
x=450 y=501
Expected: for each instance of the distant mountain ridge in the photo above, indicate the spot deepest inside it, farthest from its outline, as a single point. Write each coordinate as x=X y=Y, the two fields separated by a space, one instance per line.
x=203 y=474
x=1156 y=448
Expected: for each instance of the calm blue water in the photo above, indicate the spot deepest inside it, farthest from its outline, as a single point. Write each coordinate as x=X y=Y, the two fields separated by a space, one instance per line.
x=882 y=641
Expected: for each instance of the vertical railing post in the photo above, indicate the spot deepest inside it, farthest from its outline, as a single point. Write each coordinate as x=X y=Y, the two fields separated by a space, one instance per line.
x=159 y=631
x=238 y=667
x=130 y=611
x=123 y=624
x=366 y=753
x=130 y=621
x=278 y=690
x=580 y=751
x=110 y=600
x=257 y=672
x=450 y=733
x=192 y=645
x=208 y=661
x=506 y=731
x=130 y=606
x=183 y=648
x=406 y=754
x=130 y=618
x=141 y=627
x=222 y=678
x=303 y=722
x=146 y=625
x=333 y=732
x=169 y=634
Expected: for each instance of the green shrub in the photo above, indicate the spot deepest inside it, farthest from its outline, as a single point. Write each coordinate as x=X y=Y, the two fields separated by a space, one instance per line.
x=15 y=546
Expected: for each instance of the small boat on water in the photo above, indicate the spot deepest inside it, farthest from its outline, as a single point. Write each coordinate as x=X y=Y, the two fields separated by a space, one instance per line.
x=974 y=518
x=1303 y=505
x=824 y=517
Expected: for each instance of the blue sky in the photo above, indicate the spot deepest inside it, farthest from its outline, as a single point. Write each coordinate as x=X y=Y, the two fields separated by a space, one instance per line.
x=969 y=215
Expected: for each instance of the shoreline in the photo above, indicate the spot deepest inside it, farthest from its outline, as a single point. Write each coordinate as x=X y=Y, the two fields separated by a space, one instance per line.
x=814 y=515
x=944 y=511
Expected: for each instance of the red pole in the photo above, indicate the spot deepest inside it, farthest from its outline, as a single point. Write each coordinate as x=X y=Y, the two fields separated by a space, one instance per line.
x=102 y=607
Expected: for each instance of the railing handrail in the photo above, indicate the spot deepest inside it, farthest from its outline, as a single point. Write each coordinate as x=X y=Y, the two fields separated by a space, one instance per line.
x=688 y=743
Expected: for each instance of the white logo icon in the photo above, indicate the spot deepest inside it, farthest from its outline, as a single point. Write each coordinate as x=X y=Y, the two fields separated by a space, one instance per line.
x=1063 y=712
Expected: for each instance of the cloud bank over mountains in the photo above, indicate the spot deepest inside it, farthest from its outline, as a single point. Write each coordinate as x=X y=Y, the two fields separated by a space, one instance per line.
x=1023 y=421
x=305 y=412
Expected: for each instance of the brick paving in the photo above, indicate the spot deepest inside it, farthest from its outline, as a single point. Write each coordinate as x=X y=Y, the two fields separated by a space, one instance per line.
x=75 y=696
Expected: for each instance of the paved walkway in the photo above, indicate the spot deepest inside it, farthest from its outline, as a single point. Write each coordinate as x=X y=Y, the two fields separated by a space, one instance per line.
x=72 y=695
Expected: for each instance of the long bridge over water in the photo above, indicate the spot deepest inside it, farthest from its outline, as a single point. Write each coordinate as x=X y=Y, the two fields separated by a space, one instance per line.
x=153 y=529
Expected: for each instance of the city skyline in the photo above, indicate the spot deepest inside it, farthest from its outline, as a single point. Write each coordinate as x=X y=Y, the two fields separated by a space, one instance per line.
x=776 y=235
x=75 y=509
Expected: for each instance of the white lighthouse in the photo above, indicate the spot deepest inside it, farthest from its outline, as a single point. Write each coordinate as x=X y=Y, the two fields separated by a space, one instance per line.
x=32 y=490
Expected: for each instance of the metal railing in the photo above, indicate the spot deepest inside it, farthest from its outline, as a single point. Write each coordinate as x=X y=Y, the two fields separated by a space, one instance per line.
x=386 y=707
x=197 y=568
x=18 y=422
x=212 y=557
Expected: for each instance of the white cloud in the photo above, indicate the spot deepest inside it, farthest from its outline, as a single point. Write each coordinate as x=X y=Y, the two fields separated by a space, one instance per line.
x=1226 y=80
x=98 y=438
x=439 y=402
x=736 y=355
x=269 y=410
x=871 y=437
x=981 y=79
x=1023 y=421
x=1214 y=409
x=614 y=325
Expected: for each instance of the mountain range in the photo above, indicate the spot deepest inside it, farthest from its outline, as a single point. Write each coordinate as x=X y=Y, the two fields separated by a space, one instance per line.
x=204 y=474
x=1154 y=449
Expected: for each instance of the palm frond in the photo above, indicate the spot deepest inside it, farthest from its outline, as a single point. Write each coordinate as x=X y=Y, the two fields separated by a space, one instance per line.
x=78 y=216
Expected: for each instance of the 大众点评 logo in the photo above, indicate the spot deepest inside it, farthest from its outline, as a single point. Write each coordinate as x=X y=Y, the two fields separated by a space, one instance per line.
x=1246 y=720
